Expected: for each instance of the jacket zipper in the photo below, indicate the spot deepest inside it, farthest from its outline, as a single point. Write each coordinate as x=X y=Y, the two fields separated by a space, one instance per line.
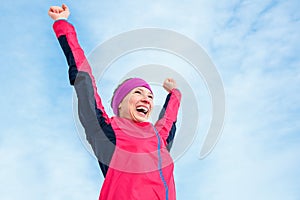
x=160 y=164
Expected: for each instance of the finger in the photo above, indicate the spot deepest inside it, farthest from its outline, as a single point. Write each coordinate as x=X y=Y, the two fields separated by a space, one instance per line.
x=59 y=9
x=55 y=9
x=170 y=80
x=51 y=9
x=65 y=7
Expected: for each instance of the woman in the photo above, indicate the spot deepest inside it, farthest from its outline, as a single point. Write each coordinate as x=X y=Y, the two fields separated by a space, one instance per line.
x=133 y=154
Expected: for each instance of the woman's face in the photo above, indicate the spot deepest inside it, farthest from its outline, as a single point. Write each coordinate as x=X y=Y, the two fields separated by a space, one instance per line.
x=137 y=105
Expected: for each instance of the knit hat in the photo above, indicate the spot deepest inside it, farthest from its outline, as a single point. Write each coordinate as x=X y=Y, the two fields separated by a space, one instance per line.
x=124 y=89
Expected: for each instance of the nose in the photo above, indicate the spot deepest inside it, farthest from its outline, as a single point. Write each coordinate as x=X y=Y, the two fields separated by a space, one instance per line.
x=146 y=100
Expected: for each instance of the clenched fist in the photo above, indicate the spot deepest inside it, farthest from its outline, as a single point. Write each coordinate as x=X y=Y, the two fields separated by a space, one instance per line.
x=57 y=12
x=169 y=84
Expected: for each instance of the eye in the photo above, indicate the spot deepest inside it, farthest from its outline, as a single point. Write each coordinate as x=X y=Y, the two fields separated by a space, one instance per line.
x=137 y=92
x=150 y=96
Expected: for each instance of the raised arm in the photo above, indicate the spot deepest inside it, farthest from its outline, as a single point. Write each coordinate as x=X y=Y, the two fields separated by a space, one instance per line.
x=166 y=125
x=92 y=115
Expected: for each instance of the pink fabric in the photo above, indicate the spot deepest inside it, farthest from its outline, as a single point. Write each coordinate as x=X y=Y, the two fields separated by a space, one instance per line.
x=63 y=27
x=125 y=179
x=133 y=171
x=124 y=89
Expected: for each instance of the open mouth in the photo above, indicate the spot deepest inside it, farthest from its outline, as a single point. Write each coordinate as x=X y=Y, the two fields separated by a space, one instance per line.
x=142 y=109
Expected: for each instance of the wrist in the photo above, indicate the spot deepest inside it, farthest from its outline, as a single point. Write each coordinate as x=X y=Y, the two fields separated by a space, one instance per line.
x=61 y=18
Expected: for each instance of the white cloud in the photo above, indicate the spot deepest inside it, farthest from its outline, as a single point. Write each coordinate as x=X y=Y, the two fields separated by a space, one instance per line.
x=255 y=47
x=258 y=153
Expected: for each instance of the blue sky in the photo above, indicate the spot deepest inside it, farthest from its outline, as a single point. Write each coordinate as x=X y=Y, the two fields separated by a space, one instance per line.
x=254 y=44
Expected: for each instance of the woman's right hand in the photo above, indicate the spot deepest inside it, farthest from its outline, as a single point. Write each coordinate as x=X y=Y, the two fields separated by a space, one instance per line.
x=57 y=12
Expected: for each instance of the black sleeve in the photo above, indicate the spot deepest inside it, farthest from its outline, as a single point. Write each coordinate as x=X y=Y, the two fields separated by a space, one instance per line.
x=95 y=121
x=98 y=133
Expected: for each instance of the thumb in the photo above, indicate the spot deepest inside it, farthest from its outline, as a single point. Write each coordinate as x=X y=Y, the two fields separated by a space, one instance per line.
x=65 y=7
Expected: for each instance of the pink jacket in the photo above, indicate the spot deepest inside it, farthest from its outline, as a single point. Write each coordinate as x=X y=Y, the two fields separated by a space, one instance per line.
x=134 y=157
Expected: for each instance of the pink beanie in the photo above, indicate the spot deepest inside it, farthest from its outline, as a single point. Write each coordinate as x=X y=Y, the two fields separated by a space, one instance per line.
x=124 y=89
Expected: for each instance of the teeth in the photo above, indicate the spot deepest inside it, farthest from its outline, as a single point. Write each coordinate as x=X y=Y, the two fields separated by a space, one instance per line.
x=142 y=109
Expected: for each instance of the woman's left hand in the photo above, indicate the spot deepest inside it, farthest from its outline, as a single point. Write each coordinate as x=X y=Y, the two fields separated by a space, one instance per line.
x=169 y=84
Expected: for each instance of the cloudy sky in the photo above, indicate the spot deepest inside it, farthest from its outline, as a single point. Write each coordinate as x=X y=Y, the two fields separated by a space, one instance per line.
x=254 y=45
